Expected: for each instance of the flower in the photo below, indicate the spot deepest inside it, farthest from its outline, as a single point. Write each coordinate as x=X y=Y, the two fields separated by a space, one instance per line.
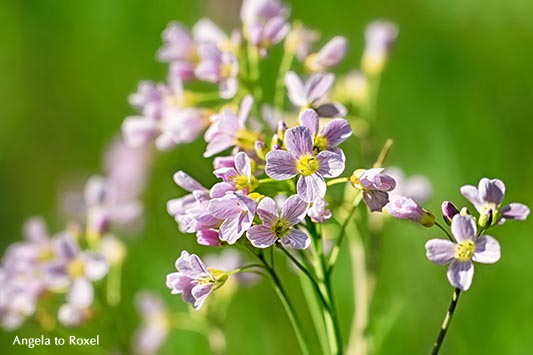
x=236 y=211
x=328 y=57
x=403 y=207
x=448 y=211
x=194 y=281
x=484 y=249
x=314 y=94
x=299 y=159
x=264 y=23
x=155 y=325
x=319 y=212
x=278 y=225
x=488 y=197
x=220 y=67
x=228 y=129
x=300 y=40
x=332 y=135
x=379 y=38
x=236 y=178
x=374 y=185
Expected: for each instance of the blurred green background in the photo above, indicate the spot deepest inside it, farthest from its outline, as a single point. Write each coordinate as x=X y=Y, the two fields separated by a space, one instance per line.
x=457 y=99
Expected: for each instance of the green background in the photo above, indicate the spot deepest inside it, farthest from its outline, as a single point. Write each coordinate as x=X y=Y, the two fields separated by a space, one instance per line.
x=456 y=97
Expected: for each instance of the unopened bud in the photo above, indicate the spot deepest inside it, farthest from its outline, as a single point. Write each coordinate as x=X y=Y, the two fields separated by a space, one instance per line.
x=448 y=211
x=485 y=220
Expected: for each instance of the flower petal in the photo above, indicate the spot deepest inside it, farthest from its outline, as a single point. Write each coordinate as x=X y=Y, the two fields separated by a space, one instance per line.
x=471 y=194
x=331 y=164
x=296 y=239
x=95 y=265
x=516 y=211
x=487 y=250
x=463 y=228
x=295 y=89
x=491 y=191
x=81 y=293
x=280 y=165
x=309 y=118
x=336 y=131
x=440 y=251
x=375 y=199
x=318 y=86
x=299 y=141
x=311 y=187
x=294 y=209
x=267 y=210
x=242 y=164
x=460 y=274
x=261 y=236
x=331 y=109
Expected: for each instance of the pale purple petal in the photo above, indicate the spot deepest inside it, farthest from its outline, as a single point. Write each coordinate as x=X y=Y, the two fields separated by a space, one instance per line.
x=200 y=293
x=449 y=210
x=35 y=230
x=294 y=209
x=333 y=52
x=471 y=194
x=95 y=265
x=225 y=207
x=218 y=144
x=318 y=86
x=460 y=274
x=186 y=182
x=440 y=251
x=244 y=111
x=66 y=247
x=296 y=89
x=208 y=237
x=487 y=250
x=242 y=164
x=309 y=118
x=267 y=210
x=81 y=293
x=331 y=164
x=311 y=187
x=208 y=70
x=220 y=189
x=299 y=141
x=138 y=130
x=463 y=228
x=296 y=239
x=332 y=109
x=280 y=165
x=404 y=208
x=261 y=236
x=228 y=88
x=55 y=275
x=205 y=30
x=336 y=131
x=491 y=191
x=516 y=211
x=375 y=199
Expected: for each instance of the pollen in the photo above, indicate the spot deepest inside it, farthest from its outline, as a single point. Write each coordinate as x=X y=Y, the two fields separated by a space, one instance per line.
x=465 y=250
x=321 y=144
x=225 y=70
x=280 y=227
x=307 y=165
x=75 y=269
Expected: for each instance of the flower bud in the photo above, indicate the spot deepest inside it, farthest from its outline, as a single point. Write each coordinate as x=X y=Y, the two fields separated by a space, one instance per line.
x=448 y=211
x=485 y=219
x=402 y=207
x=260 y=149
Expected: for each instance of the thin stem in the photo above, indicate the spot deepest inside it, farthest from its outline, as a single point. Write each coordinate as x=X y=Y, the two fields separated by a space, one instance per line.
x=384 y=153
x=446 y=322
x=337 y=181
x=445 y=231
x=285 y=66
x=336 y=248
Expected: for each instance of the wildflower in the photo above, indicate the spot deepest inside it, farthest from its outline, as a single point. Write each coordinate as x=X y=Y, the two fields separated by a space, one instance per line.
x=375 y=187
x=319 y=212
x=448 y=211
x=403 y=207
x=300 y=159
x=264 y=23
x=236 y=211
x=237 y=178
x=379 y=38
x=328 y=57
x=228 y=129
x=484 y=249
x=279 y=225
x=194 y=281
x=179 y=49
x=332 y=135
x=155 y=326
x=488 y=197
x=220 y=67
x=314 y=94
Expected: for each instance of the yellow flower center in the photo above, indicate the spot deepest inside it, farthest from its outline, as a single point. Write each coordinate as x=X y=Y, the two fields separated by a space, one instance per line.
x=465 y=250
x=321 y=144
x=242 y=183
x=307 y=165
x=280 y=227
x=354 y=179
x=75 y=269
x=226 y=70
x=46 y=254
x=218 y=279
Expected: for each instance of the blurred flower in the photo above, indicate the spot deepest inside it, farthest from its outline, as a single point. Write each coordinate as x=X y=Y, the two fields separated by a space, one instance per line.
x=219 y=67
x=194 y=281
x=237 y=212
x=155 y=326
x=379 y=38
x=328 y=57
x=403 y=207
x=228 y=129
x=488 y=197
x=352 y=88
x=319 y=212
x=375 y=187
x=279 y=225
x=484 y=249
x=299 y=159
x=416 y=187
x=264 y=23
x=300 y=41
x=314 y=94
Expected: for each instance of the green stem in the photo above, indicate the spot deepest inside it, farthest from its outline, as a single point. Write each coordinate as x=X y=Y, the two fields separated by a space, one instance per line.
x=285 y=66
x=337 y=181
x=446 y=322
x=445 y=231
